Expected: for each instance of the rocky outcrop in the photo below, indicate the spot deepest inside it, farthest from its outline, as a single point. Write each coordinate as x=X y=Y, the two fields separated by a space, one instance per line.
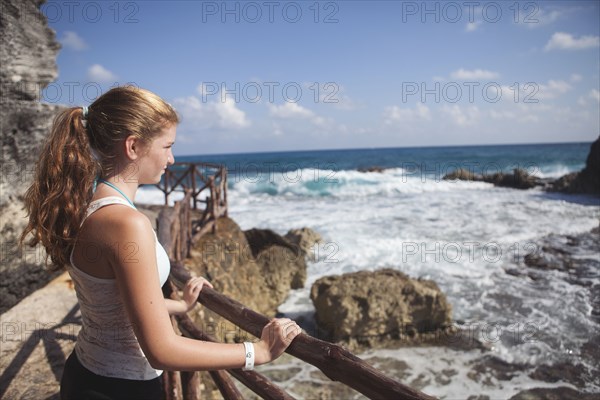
x=374 y=308
x=256 y=267
x=28 y=59
x=587 y=180
x=280 y=263
x=561 y=393
x=570 y=254
x=519 y=179
x=373 y=168
x=304 y=239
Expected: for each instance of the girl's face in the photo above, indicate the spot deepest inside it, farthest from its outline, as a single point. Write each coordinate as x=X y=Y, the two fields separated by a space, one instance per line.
x=158 y=157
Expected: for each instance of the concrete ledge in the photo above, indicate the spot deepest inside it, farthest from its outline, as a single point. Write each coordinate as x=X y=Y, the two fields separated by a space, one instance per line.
x=37 y=336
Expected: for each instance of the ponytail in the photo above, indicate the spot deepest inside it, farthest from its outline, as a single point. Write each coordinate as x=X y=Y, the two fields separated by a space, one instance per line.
x=63 y=184
x=62 y=188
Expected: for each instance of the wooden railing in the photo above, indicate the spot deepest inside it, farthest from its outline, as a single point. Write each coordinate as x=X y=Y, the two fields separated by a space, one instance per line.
x=333 y=360
x=194 y=179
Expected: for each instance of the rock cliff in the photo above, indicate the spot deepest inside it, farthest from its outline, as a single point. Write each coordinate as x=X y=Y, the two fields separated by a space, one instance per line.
x=28 y=58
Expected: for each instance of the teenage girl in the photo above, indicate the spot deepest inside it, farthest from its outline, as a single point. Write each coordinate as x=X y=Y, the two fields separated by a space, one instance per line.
x=81 y=209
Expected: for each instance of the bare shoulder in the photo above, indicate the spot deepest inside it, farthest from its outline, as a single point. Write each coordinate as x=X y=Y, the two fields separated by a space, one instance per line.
x=119 y=222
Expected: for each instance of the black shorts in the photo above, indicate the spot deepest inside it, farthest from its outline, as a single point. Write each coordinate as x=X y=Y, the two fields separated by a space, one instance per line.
x=79 y=383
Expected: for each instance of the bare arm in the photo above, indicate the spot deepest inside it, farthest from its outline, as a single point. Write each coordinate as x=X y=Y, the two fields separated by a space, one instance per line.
x=190 y=295
x=138 y=282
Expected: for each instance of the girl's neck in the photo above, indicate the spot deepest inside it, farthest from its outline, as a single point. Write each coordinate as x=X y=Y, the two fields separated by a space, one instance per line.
x=117 y=185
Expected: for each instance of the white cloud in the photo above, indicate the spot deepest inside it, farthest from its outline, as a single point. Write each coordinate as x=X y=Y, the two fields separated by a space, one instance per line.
x=97 y=73
x=223 y=115
x=594 y=94
x=73 y=41
x=553 y=89
x=472 y=26
x=566 y=41
x=576 y=78
x=462 y=117
x=475 y=74
x=533 y=17
x=394 y=114
x=290 y=110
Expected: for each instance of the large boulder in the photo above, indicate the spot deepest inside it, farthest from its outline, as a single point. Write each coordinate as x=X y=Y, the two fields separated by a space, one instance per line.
x=373 y=308
x=256 y=267
x=281 y=263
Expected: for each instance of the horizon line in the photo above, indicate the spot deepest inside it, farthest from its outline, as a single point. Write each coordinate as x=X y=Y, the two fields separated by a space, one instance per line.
x=384 y=148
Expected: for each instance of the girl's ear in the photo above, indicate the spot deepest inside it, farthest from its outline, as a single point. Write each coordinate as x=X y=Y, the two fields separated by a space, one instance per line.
x=132 y=147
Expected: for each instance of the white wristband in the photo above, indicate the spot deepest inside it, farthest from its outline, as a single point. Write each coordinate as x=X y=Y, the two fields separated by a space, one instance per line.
x=249 y=356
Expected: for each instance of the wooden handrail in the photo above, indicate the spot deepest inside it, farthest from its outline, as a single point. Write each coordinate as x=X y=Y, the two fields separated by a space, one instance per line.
x=333 y=360
x=252 y=379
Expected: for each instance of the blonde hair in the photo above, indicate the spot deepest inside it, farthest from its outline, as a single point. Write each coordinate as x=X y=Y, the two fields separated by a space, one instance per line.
x=66 y=170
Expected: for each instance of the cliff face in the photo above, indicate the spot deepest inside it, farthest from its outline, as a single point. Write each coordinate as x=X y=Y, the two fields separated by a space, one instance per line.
x=28 y=58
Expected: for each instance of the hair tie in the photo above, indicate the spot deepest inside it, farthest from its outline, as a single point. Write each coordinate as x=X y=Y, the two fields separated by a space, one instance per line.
x=84 y=114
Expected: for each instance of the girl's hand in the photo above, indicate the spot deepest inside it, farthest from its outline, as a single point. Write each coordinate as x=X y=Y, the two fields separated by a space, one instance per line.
x=276 y=336
x=191 y=291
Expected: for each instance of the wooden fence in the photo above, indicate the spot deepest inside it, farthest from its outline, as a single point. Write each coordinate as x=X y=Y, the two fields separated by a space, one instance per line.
x=195 y=179
x=175 y=233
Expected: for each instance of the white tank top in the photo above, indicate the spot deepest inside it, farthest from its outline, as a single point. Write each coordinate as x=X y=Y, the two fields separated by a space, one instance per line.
x=106 y=344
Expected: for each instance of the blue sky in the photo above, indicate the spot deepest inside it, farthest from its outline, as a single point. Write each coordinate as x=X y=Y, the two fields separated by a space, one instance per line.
x=277 y=76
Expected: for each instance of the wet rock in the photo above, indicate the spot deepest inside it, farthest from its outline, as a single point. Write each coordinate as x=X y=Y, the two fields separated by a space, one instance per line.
x=376 y=308
x=572 y=255
x=490 y=366
x=374 y=168
x=585 y=181
x=463 y=175
x=561 y=393
x=518 y=179
x=563 y=371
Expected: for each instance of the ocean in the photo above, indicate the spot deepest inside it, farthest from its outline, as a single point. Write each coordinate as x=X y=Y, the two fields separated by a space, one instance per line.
x=463 y=235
